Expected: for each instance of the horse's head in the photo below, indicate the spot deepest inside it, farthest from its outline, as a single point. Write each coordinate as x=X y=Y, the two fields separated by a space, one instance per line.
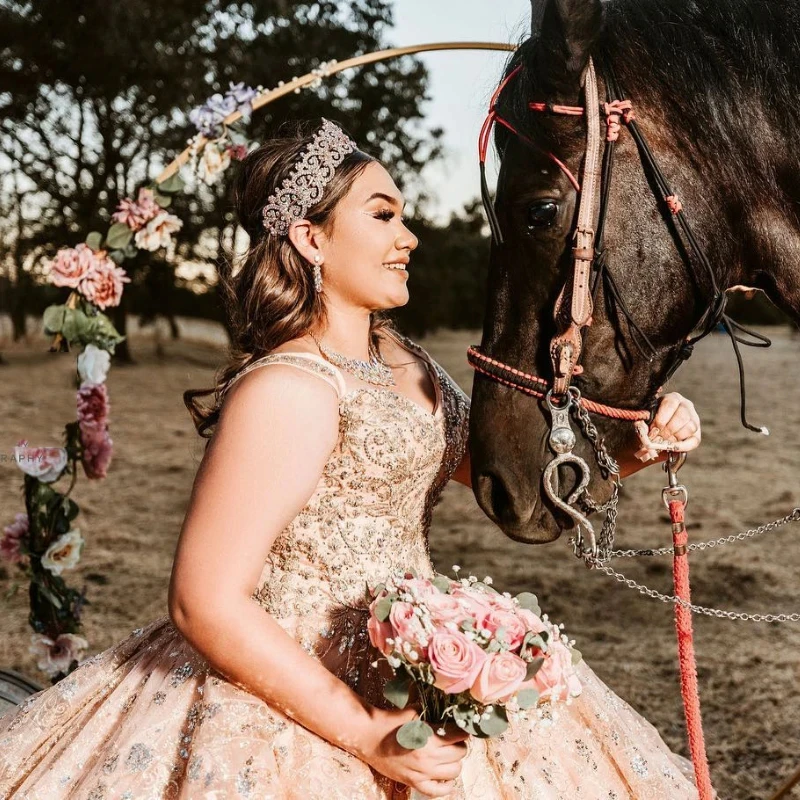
x=647 y=285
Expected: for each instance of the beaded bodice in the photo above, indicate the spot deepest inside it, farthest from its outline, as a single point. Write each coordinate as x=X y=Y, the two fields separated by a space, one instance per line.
x=370 y=512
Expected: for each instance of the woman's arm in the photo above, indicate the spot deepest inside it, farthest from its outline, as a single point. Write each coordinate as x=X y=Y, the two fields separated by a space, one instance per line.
x=277 y=429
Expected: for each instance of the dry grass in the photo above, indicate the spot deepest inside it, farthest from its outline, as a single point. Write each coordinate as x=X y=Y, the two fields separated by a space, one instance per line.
x=749 y=674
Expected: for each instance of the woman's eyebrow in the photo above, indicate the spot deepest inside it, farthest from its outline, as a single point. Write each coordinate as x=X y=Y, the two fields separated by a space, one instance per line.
x=387 y=197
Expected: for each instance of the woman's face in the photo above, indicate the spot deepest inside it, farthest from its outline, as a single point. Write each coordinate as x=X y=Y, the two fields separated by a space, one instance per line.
x=367 y=250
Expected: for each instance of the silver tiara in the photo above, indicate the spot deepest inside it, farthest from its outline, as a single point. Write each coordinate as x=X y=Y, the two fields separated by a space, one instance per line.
x=306 y=182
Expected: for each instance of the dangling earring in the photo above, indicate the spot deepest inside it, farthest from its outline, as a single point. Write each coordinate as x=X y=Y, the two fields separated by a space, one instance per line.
x=317 y=273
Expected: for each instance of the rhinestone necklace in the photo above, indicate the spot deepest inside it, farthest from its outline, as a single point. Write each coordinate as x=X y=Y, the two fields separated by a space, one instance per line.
x=375 y=371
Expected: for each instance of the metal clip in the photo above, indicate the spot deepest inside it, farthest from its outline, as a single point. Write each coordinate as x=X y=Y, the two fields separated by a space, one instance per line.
x=675 y=490
x=562 y=440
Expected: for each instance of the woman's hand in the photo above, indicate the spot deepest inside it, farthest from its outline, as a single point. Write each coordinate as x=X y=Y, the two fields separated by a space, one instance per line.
x=431 y=770
x=675 y=428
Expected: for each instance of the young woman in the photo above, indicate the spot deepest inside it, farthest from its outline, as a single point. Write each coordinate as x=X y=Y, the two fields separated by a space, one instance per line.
x=318 y=479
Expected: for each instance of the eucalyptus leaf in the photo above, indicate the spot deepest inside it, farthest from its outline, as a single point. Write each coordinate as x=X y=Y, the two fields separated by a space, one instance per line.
x=94 y=240
x=130 y=250
x=398 y=690
x=76 y=323
x=441 y=583
x=171 y=185
x=54 y=318
x=119 y=236
x=496 y=723
x=414 y=735
x=236 y=137
x=382 y=609
x=526 y=698
x=164 y=200
x=576 y=656
x=533 y=667
x=117 y=256
x=528 y=600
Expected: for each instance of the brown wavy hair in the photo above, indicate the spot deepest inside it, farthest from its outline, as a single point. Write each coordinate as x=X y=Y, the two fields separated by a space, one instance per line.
x=268 y=291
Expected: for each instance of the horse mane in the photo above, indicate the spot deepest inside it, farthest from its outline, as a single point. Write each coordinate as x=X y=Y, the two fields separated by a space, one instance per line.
x=720 y=70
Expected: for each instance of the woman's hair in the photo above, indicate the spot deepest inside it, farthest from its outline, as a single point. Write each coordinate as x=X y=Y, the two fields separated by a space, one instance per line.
x=271 y=299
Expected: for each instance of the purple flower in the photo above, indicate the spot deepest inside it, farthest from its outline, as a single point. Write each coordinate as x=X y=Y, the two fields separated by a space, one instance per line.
x=206 y=121
x=243 y=97
x=11 y=540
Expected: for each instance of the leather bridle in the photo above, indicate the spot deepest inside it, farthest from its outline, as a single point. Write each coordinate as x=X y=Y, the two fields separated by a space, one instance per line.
x=589 y=270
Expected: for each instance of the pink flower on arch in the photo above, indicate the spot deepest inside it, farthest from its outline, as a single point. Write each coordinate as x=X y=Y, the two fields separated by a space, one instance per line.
x=103 y=285
x=97 y=450
x=72 y=265
x=11 y=541
x=136 y=214
x=93 y=405
x=55 y=655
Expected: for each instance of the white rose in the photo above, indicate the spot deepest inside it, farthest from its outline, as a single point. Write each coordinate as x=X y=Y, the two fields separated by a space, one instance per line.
x=54 y=656
x=158 y=232
x=93 y=364
x=64 y=553
x=213 y=163
x=43 y=463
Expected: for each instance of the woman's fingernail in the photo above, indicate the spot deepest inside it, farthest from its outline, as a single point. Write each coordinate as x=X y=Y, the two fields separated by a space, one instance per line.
x=654 y=432
x=657 y=439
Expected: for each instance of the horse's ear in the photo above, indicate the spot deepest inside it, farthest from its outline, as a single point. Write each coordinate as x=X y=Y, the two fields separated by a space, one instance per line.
x=567 y=31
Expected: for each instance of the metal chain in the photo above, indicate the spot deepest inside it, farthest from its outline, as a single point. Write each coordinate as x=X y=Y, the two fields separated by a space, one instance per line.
x=709 y=612
x=610 y=470
x=735 y=537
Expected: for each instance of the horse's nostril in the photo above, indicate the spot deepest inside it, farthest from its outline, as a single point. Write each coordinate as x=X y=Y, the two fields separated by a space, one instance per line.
x=499 y=501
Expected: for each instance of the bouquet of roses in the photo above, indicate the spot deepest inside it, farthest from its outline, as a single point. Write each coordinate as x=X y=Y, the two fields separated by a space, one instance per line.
x=470 y=655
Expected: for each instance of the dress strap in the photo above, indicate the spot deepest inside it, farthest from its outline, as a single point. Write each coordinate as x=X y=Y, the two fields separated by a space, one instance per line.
x=308 y=362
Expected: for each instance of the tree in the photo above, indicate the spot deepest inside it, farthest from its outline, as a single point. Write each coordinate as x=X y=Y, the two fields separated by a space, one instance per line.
x=95 y=102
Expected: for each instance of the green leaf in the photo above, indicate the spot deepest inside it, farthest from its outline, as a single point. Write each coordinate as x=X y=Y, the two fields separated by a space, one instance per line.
x=496 y=723
x=76 y=323
x=398 y=690
x=130 y=250
x=54 y=318
x=171 y=185
x=382 y=609
x=117 y=256
x=533 y=667
x=529 y=601
x=236 y=136
x=163 y=200
x=441 y=583
x=119 y=235
x=576 y=656
x=527 y=698
x=414 y=735
x=94 y=240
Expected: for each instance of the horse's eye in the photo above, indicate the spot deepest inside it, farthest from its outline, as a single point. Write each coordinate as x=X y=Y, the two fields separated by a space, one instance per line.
x=542 y=214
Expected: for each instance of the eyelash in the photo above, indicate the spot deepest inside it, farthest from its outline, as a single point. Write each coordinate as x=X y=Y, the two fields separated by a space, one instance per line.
x=385 y=215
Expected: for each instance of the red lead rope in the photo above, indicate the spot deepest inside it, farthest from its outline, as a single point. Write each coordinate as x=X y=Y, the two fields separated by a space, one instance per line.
x=688 y=666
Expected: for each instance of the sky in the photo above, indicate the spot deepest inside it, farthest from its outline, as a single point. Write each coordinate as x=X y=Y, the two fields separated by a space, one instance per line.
x=461 y=83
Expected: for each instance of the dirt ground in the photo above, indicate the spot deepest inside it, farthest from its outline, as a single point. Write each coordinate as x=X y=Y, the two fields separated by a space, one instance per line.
x=749 y=673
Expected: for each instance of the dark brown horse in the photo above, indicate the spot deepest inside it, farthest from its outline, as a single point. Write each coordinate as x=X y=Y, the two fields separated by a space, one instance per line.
x=714 y=88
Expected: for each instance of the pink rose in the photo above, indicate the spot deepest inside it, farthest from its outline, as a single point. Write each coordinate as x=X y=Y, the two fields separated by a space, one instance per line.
x=455 y=660
x=513 y=626
x=11 y=541
x=136 y=214
x=475 y=603
x=93 y=406
x=379 y=632
x=44 y=463
x=445 y=608
x=531 y=621
x=407 y=625
x=501 y=602
x=419 y=587
x=71 y=265
x=556 y=678
x=500 y=677
x=103 y=285
x=97 y=451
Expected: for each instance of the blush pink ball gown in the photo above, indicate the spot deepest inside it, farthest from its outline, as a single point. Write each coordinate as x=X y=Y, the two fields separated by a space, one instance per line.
x=149 y=718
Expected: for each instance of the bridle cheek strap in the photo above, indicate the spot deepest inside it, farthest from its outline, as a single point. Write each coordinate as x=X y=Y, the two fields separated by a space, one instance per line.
x=566 y=346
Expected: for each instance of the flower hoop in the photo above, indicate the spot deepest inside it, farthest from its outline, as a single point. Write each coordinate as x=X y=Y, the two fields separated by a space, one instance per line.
x=43 y=542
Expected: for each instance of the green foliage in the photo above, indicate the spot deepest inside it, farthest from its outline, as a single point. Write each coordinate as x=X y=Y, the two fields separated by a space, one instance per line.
x=414 y=735
x=398 y=690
